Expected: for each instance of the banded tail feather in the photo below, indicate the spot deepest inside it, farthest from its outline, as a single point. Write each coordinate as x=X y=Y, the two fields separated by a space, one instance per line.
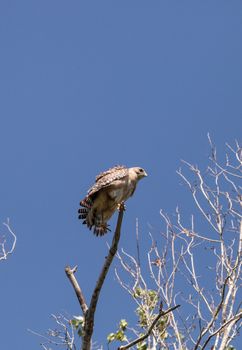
x=83 y=212
x=82 y=216
x=91 y=218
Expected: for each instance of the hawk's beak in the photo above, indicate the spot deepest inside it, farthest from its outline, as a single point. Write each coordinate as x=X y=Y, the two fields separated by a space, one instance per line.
x=145 y=173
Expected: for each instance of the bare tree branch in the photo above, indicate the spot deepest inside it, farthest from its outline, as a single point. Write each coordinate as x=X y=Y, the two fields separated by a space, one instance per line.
x=4 y=252
x=89 y=312
x=63 y=335
x=89 y=317
x=140 y=339
x=236 y=318
x=212 y=286
x=70 y=274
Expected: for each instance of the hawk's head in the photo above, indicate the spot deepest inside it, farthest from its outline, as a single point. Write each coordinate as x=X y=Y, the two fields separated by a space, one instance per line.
x=140 y=172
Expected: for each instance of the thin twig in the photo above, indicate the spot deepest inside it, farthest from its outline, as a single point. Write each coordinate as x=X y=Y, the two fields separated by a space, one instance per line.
x=3 y=252
x=137 y=242
x=236 y=318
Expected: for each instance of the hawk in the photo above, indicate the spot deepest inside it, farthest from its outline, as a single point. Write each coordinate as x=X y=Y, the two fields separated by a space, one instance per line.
x=111 y=188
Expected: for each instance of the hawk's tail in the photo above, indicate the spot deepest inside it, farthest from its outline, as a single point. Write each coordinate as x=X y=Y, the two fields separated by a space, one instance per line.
x=91 y=220
x=86 y=203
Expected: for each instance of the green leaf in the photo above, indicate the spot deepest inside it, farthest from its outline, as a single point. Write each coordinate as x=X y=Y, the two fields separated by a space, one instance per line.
x=80 y=332
x=142 y=346
x=123 y=325
x=138 y=292
x=111 y=337
x=75 y=323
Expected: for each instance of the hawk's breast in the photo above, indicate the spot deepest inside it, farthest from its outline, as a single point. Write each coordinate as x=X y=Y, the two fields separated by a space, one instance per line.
x=117 y=194
x=122 y=192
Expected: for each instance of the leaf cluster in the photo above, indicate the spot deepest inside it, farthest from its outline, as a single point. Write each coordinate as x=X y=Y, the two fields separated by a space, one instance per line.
x=119 y=335
x=147 y=311
x=78 y=324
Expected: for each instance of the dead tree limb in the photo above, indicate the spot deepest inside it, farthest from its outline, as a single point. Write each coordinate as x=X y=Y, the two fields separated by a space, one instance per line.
x=89 y=319
x=89 y=312
x=70 y=274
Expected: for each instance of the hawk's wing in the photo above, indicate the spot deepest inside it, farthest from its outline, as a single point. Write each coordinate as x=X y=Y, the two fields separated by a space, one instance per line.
x=107 y=178
x=109 y=171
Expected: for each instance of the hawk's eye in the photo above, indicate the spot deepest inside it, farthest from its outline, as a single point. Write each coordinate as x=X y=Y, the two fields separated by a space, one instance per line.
x=140 y=170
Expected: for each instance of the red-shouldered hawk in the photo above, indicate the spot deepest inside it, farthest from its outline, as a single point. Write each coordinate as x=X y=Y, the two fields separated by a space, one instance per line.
x=111 y=188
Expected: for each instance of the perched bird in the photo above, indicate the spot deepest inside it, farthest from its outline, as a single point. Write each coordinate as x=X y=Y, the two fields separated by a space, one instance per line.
x=111 y=188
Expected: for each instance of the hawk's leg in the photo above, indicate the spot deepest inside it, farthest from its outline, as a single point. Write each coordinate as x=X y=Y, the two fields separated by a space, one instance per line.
x=121 y=206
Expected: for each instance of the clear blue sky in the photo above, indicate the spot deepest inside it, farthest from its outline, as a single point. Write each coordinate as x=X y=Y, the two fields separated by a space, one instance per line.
x=85 y=85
